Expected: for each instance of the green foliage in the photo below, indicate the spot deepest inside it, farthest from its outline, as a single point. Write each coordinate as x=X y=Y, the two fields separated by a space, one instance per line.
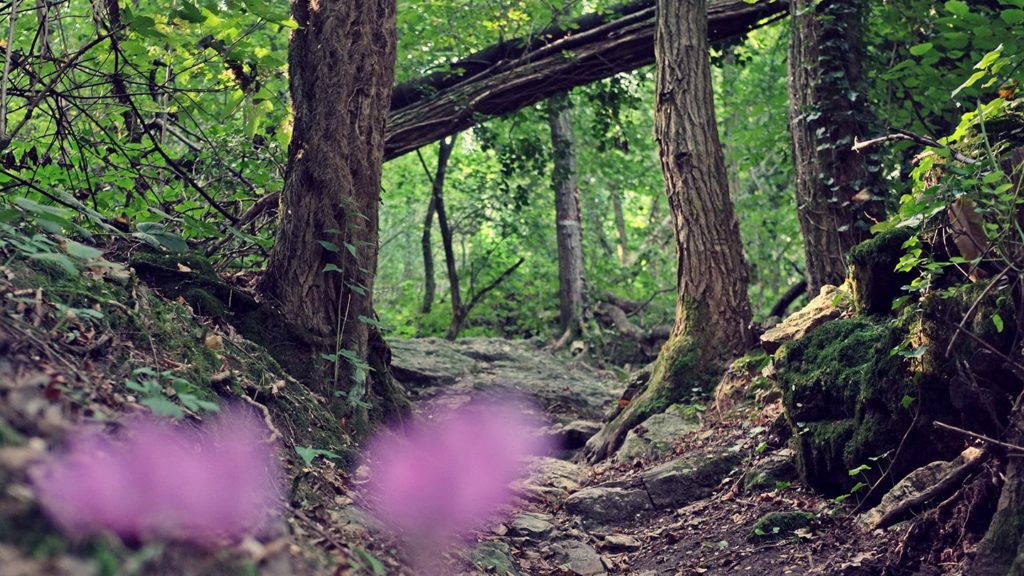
x=166 y=394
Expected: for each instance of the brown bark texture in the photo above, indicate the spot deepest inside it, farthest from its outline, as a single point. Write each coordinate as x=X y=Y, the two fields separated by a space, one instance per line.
x=838 y=190
x=513 y=74
x=571 y=289
x=321 y=270
x=712 y=309
x=711 y=269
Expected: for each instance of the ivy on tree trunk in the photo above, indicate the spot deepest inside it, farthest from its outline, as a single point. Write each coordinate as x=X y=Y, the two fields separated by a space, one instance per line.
x=837 y=189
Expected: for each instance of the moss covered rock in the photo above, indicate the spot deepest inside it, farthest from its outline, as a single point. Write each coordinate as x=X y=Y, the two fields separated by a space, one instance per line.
x=776 y=525
x=876 y=283
x=846 y=397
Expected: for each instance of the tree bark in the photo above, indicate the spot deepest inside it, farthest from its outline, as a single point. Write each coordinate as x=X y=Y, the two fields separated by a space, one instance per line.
x=712 y=309
x=429 y=283
x=571 y=288
x=620 y=227
x=837 y=190
x=321 y=269
x=444 y=152
x=513 y=74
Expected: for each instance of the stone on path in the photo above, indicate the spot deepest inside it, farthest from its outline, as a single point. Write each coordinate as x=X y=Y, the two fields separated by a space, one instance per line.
x=689 y=478
x=608 y=504
x=578 y=558
x=620 y=543
x=655 y=436
x=531 y=525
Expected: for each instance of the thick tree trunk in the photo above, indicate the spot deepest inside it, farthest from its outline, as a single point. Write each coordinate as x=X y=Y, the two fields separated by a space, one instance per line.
x=712 y=310
x=321 y=270
x=513 y=74
x=571 y=291
x=837 y=190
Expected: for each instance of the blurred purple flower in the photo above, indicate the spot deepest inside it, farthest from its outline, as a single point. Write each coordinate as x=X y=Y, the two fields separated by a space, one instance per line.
x=439 y=479
x=163 y=481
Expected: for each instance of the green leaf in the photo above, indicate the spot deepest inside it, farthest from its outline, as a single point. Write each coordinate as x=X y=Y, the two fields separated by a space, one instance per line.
x=970 y=82
x=190 y=13
x=163 y=407
x=997 y=320
x=922 y=49
x=907 y=401
x=59 y=259
x=308 y=454
x=81 y=251
x=859 y=469
x=333 y=268
x=1012 y=16
x=958 y=7
x=329 y=246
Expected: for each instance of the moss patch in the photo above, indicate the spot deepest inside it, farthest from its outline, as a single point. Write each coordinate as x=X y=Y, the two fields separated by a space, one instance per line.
x=844 y=393
x=775 y=525
x=873 y=271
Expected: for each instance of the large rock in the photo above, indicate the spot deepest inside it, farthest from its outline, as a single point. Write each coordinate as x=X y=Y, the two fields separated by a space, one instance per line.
x=656 y=436
x=876 y=283
x=428 y=362
x=578 y=558
x=845 y=393
x=502 y=368
x=770 y=472
x=531 y=525
x=774 y=525
x=608 y=504
x=829 y=304
x=689 y=478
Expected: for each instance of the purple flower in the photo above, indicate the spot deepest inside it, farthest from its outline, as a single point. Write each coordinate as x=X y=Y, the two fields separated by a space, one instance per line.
x=439 y=479
x=163 y=481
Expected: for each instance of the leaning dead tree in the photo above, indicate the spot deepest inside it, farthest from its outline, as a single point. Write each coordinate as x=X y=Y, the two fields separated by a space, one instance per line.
x=511 y=75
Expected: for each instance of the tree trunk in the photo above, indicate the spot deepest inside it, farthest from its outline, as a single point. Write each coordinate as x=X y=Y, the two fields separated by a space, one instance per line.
x=620 y=227
x=712 y=309
x=837 y=190
x=321 y=270
x=571 y=290
x=444 y=152
x=429 y=283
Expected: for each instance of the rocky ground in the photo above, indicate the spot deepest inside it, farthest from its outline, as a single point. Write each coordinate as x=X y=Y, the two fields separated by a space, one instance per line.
x=693 y=491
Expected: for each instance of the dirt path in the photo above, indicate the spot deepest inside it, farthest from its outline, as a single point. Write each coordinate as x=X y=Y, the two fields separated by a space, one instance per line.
x=717 y=498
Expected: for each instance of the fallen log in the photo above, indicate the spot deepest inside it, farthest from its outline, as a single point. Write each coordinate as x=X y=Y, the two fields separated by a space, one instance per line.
x=512 y=75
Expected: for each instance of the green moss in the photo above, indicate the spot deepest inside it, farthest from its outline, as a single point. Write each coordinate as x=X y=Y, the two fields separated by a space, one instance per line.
x=872 y=263
x=823 y=375
x=171 y=261
x=776 y=525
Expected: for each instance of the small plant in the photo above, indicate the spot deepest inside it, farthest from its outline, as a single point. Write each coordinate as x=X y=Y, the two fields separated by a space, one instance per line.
x=157 y=389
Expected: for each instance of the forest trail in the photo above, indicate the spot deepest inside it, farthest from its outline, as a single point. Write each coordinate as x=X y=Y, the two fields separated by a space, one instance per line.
x=692 y=492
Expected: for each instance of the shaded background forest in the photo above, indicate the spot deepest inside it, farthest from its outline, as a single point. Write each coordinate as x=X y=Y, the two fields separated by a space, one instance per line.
x=207 y=83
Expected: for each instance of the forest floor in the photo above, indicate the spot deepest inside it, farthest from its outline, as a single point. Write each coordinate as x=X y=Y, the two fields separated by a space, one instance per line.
x=719 y=498
x=670 y=515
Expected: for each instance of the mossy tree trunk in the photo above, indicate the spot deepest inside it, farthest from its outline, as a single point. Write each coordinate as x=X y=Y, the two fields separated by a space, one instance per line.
x=837 y=189
x=571 y=288
x=712 y=309
x=321 y=270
